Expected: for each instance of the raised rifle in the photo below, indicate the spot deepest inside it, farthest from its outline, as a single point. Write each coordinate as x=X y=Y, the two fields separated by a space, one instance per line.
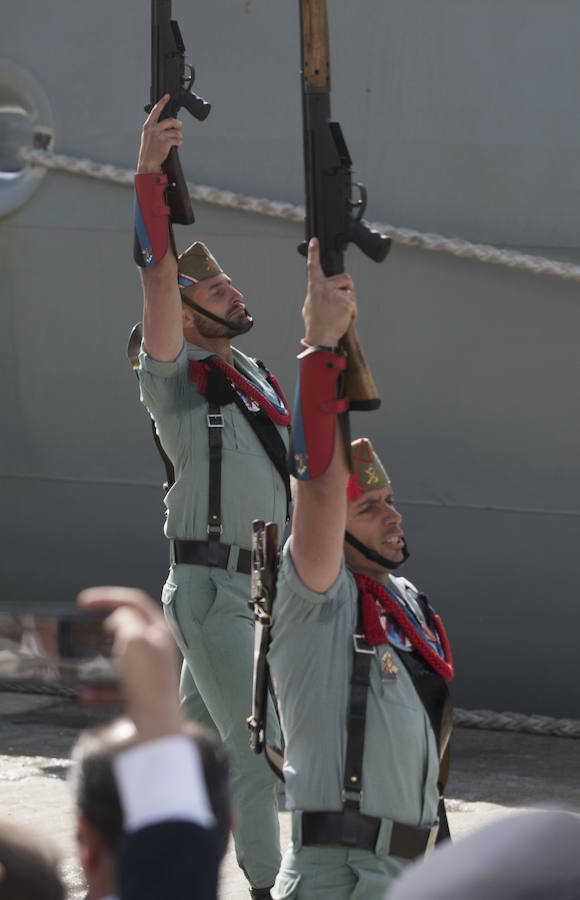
x=332 y=215
x=263 y=590
x=170 y=74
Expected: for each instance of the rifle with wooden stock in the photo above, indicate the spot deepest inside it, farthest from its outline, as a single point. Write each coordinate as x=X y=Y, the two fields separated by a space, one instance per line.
x=170 y=74
x=332 y=215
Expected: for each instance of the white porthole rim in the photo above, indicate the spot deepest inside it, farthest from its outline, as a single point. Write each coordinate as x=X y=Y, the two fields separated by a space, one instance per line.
x=22 y=93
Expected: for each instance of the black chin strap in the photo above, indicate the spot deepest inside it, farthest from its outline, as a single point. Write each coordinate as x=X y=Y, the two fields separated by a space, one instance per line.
x=372 y=555
x=204 y=312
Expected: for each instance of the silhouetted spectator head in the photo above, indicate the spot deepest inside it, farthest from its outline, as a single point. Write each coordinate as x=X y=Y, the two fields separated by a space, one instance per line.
x=527 y=856
x=28 y=868
x=99 y=814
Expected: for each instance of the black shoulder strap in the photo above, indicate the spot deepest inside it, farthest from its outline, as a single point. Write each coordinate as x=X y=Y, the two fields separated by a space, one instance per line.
x=270 y=439
x=433 y=694
x=431 y=688
x=215 y=424
x=355 y=722
x=435 y=697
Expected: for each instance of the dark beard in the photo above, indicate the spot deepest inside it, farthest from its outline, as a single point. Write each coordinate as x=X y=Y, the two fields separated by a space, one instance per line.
x=212 y=326
x=210 y=329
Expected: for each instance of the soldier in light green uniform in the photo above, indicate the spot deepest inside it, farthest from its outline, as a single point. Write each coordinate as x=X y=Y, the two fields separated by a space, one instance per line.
x=366 y=803
x=223 y=423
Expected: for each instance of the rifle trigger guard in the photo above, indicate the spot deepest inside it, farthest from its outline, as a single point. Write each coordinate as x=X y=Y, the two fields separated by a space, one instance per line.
x=359 y=205
x=188 y=83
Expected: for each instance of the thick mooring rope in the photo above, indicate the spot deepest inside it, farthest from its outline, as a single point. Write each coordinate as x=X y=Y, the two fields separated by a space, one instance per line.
x=540 y=265
x=509 y=721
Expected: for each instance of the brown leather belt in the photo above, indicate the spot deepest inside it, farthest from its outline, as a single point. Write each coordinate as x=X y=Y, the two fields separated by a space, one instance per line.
x=407 y=842
x=199 y=553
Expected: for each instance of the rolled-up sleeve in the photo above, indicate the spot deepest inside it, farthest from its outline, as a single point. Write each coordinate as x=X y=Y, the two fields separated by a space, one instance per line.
x=163 y=384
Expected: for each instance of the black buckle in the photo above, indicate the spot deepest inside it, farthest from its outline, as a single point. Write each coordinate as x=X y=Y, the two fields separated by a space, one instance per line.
x=351 y=798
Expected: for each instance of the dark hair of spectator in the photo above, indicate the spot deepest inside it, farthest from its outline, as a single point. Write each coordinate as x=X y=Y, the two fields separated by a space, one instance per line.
x=95 y=790
x=28 y=868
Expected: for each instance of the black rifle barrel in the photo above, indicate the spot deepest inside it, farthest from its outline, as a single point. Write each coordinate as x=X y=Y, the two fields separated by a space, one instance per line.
x=168 y=76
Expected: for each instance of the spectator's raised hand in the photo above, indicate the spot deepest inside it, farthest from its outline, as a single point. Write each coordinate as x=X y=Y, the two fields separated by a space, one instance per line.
x=145 y=652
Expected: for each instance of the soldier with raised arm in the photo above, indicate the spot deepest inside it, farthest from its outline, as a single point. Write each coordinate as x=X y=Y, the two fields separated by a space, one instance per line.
x=358 y=658
x=222 y=421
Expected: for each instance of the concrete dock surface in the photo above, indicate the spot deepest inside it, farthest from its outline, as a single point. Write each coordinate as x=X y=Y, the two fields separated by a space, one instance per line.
x=493 y=775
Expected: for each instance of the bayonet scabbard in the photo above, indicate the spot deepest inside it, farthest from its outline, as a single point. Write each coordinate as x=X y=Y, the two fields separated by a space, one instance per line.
x=263 y=589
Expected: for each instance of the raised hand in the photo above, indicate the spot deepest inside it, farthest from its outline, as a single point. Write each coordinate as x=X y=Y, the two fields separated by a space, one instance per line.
x=157 y=138
x=330 y=304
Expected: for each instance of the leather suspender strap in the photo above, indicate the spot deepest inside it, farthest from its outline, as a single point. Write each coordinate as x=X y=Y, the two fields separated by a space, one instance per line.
x=355 y=727
x=215 y=423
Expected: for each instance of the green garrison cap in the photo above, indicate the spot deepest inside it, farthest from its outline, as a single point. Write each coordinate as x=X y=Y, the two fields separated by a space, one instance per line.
x=368 y=472
x=196 y=264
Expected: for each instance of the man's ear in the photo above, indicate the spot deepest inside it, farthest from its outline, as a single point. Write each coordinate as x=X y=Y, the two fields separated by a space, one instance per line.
x=187 y=316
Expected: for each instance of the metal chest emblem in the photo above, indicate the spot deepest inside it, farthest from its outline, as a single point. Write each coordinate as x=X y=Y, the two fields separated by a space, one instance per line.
x=389 y=668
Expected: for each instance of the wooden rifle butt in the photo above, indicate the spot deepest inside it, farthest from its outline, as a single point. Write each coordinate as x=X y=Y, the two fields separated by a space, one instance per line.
x=315 y=46
x=359 y=384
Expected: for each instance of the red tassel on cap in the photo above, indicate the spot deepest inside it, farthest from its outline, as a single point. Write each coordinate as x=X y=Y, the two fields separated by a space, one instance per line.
x=353 y=489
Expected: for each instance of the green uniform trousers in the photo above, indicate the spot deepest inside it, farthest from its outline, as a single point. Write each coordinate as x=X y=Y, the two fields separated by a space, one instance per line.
x=328 y=872
x=214 y=627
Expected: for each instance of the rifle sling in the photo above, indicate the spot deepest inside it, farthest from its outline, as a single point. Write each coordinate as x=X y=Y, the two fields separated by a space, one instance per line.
x=433 y=693
x=435 y=697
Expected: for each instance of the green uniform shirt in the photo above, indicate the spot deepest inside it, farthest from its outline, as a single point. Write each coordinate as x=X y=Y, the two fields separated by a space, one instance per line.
x=311 y=662
x=251 y=488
